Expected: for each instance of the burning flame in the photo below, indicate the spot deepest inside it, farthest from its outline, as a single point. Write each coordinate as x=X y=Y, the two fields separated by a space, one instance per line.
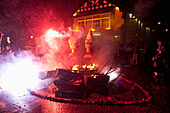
x=91 y=67
x=75 y=67
x=84 y=67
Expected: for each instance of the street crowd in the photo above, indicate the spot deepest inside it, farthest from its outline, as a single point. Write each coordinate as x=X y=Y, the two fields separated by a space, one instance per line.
x=142 y=55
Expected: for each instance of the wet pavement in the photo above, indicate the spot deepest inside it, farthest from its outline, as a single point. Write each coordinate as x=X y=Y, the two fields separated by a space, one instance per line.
x=129 y=94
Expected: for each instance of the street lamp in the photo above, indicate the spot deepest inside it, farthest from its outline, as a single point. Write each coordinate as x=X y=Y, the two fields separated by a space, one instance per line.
x=159 y=23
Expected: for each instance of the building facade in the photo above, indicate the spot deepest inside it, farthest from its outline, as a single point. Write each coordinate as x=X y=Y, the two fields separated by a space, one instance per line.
x=110 y=21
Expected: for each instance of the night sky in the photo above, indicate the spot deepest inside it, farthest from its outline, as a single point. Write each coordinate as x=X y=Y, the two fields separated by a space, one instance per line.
x=154 y=11
x=22 y=18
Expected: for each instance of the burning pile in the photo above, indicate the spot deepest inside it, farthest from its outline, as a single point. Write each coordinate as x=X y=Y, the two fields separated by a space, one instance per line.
x=84 y=68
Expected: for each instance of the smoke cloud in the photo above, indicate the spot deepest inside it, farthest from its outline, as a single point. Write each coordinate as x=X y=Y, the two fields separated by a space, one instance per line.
x=53 y=52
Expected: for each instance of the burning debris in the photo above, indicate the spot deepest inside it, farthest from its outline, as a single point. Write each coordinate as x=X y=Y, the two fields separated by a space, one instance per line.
x=80 y=79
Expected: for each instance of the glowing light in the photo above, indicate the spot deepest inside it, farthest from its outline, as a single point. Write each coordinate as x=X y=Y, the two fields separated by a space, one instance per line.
x=77 y=30
x=93 y=29
x=91 y=67
x=130 y=15
x=108 y=28
x=166 y=29
x=19 y=76
x=133 y=16
x=96 y=33
x=75 y=67
x=8 y=40
x=75 y=14
x=136 y=19
x=110 y=5
x=117 y=8
x=116 y=36
x=139 y=22
x=31 y=37
x=113 y=75
x=159 y=23
x=55 y=34
x=51 y=36
x=148 y=29
x=84 y=67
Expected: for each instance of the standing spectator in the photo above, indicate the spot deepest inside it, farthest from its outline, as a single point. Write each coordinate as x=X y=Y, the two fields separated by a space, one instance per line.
x=160 y=64
x=135 y=55
x=128 y=54
x=142 y=58
x=121 y=54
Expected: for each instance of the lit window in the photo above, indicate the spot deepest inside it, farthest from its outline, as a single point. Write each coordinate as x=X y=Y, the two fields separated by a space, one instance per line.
x=96 y=23
x=81 y=24
x=105 y=22
x=89 y=24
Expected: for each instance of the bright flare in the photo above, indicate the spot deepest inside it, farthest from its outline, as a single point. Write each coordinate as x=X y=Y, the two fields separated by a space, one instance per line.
x=113 y=75
x=56 y=34
x=19 y=76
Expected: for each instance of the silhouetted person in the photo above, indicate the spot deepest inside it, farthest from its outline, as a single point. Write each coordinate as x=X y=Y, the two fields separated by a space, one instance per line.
x=160 y=65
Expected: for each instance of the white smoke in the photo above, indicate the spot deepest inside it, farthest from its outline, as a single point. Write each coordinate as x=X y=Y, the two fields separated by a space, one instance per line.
x=19 y=73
